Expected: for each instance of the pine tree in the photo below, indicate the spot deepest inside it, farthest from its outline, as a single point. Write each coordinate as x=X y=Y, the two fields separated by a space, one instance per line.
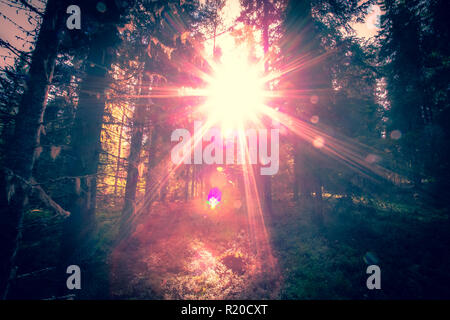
x=85 y=146
x=21 y=149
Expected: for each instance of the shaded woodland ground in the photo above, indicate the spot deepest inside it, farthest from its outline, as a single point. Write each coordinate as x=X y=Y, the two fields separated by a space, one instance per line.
x=182 y=252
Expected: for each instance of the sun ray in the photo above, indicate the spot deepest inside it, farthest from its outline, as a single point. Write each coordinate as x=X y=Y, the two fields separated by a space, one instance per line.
x=255 y=216
x=169 y=170
x=353 y=153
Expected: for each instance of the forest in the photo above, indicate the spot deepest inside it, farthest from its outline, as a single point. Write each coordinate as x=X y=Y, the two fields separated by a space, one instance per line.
x=224 y=149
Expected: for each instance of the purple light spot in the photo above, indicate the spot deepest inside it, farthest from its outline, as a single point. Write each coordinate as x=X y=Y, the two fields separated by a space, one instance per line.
x=214 y=197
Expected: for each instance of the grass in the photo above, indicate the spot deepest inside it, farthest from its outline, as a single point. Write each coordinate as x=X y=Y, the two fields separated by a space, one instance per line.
x=327 y=263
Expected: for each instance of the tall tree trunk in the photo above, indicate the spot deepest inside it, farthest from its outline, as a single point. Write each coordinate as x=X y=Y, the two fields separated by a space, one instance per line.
x=187 y=174
x=202 y=184
x=266 y=180
x=151 y=163
x=21 y=152
x=119 y=150
x=297 y=177
x=314 y=78
x=134 y=158
x=85 y=147
x=193 y=182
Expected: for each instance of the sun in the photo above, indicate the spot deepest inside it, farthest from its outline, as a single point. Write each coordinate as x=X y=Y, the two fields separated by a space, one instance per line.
x=235 y=95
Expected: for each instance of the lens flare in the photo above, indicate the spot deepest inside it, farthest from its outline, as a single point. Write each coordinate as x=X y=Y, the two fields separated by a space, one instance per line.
x=214 y=198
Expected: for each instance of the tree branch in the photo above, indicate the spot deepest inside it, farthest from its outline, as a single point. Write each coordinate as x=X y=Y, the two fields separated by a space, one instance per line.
x=47 y=200
x=30 y=7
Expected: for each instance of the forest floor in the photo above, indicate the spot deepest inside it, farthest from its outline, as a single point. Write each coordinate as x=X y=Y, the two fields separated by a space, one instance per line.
x=187 y=251
x=184 y=251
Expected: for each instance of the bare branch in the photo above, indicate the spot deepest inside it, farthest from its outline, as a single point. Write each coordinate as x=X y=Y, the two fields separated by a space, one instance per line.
x=24 y=275
x=47 y=200
x=30 y=7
